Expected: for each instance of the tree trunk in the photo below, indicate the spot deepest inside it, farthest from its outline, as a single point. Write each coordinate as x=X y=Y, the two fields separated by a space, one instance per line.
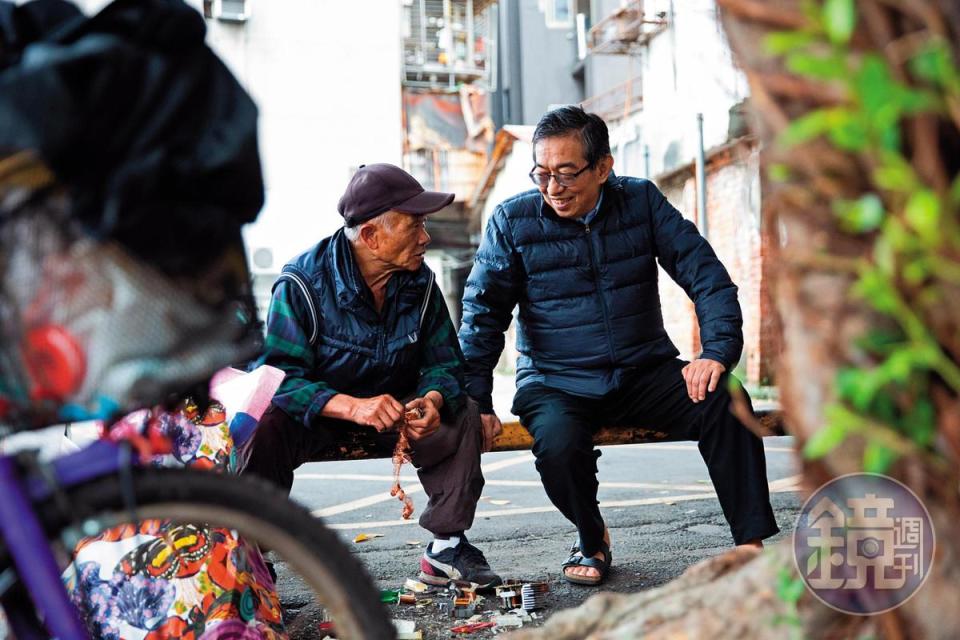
x=735 y=595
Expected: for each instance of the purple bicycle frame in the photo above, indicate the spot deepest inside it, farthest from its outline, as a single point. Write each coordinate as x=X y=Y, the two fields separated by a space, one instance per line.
x=22 y=530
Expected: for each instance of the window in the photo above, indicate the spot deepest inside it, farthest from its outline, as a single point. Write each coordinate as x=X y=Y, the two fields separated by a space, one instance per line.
x=559 y=14
x=226 y=10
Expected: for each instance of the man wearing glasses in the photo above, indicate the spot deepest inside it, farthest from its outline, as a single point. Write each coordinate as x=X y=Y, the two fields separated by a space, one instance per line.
x=578 y=254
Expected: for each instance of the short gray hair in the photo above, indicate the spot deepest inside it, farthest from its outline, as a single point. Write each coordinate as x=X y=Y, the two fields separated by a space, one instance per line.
x=384 y=220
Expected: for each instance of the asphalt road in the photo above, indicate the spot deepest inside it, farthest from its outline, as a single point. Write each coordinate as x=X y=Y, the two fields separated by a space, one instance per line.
x=657 y=500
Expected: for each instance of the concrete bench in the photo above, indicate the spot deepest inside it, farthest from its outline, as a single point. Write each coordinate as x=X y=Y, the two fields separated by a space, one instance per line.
x=361 y=446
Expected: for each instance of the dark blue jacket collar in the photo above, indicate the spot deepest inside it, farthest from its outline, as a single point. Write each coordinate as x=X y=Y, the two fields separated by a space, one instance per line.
x=611 y=190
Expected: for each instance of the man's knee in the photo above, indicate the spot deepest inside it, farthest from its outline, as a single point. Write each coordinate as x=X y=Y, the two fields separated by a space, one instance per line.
x=718 y=410
x=564 y=447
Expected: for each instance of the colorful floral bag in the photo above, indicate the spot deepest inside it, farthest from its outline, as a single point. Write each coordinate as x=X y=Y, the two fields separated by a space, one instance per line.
x=155 y=579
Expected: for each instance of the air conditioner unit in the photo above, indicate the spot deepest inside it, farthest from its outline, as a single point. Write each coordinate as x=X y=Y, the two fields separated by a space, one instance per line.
x=231 y=10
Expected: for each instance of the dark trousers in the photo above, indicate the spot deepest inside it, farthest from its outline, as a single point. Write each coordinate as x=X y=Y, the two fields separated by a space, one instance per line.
x=562 y=426
x=447 y=461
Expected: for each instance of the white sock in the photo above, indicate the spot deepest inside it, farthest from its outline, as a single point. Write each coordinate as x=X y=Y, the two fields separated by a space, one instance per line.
x=439 y=545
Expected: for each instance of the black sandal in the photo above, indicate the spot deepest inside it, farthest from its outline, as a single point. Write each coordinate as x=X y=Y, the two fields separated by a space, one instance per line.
x=577 y=559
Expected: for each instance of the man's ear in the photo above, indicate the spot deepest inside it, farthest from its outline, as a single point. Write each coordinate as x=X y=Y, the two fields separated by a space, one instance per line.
x=369 y=236
x=605 y=166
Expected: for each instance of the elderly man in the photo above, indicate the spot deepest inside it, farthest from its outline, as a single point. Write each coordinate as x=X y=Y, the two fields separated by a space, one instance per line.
x=578 y=255
x=361 y=330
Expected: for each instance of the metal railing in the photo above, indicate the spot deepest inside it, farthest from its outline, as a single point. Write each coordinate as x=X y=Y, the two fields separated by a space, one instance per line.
x=624 y=31
x=446 y=41
x=618 y=102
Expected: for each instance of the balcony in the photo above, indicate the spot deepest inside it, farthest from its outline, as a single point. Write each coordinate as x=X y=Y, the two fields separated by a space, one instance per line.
x=454 y=171
x=618 y=102
x=446 y=42
x=624 y=31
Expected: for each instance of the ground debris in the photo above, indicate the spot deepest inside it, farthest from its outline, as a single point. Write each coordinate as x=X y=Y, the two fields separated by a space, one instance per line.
x=363 y=537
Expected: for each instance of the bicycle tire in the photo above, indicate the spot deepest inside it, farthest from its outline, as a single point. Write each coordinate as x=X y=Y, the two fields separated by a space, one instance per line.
x=256 y=510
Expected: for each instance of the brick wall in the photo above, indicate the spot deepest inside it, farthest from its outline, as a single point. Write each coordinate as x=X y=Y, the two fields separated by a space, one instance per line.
x=734 y=230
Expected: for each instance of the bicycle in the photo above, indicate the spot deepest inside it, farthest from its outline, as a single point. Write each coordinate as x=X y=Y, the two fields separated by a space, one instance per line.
x=97 y=320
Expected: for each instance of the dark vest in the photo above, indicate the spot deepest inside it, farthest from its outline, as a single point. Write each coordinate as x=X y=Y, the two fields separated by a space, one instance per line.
x=359 y=351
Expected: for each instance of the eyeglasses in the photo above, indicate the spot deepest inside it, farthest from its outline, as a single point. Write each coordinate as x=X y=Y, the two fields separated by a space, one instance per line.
x=542 y=179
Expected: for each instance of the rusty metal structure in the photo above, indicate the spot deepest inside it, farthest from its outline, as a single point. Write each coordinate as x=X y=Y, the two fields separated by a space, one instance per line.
x=625 y=31
x=617 y=102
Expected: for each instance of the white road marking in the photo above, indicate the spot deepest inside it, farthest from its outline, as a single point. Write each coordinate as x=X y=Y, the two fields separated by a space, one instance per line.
x=384 y=496
x=668 y=446
x=784 y=487
x=413 y=481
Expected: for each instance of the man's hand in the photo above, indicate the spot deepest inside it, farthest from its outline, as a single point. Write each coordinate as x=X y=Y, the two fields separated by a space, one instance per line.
x=702 y=375
x=491 y=429
x=380 y=412
x=430 y=406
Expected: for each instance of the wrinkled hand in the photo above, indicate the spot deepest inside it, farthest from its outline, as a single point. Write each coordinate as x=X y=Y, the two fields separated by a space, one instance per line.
x=430 y=422
x=492 y=427
x=702 y=375
x=380 y=412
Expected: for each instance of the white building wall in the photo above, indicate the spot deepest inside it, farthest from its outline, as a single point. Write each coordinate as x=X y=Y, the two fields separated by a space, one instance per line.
x=687 y=69
x=326 y=76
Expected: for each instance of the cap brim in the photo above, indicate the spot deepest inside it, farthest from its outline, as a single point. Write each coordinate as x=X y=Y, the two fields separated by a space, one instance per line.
x=426 y=202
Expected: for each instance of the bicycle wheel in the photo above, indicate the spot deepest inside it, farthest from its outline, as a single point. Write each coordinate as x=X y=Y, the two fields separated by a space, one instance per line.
x=259 y=512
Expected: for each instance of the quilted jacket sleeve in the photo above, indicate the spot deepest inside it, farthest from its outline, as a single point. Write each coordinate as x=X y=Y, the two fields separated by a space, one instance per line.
x=489 y=297
x=691 y=262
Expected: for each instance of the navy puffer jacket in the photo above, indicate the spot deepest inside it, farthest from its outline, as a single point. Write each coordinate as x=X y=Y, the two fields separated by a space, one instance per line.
x=588 y=296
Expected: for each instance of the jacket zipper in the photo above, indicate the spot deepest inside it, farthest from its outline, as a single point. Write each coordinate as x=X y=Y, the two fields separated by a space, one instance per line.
x=603 y=303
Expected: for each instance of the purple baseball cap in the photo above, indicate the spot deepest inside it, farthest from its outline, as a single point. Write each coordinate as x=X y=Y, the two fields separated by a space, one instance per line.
x=377 y=188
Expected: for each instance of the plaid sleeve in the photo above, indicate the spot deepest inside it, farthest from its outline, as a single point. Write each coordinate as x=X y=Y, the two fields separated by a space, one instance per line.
x=288 y=348
x=441 y=366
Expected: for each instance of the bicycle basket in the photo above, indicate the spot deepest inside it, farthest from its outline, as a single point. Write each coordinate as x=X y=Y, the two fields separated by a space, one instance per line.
x=88 y=330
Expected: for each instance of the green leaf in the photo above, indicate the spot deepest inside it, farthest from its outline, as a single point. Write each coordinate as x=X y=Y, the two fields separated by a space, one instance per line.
x=917 y=101
x=931 y=62
x=890 y=138
x=781 y=42
x=876 y=289
x=920 y=422
x=821 y=67
x=884 y=408
x=895 y=173
x=898 y=367
x=778 y=172
x=824 y=440
x=877 y=458
x=923 y=215
x=848 y=131
x=916 y=271
x=934 y=63
x=839 y=19
x=862 y=215
x=899 y=237
x=793 y=590
x=874 y=83
x=813 y=561
x=848 y=381
x=843 y=417
x=806 y=128
x=880 y=341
